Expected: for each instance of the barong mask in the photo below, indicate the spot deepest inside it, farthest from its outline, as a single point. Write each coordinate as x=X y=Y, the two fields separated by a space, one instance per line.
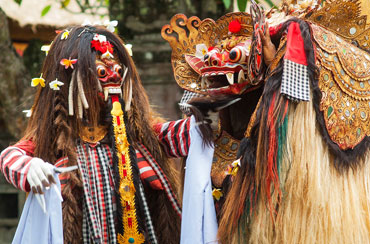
x=222 y=57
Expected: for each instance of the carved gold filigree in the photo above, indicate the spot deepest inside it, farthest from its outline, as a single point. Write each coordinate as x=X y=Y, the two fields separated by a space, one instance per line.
x=93 y=134
x=183 y=34
x=226 y=148
x=222 y=24
x=346 y=118
x=349 y=64
x=343 y=17
x=345 y=85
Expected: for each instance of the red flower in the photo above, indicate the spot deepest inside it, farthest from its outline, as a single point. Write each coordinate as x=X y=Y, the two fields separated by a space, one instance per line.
x=102 y=46
x=96 y=45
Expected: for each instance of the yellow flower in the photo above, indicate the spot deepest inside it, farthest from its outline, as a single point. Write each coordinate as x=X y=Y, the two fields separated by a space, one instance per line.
x=36 y=81
x=217 y=193
x=65 y=35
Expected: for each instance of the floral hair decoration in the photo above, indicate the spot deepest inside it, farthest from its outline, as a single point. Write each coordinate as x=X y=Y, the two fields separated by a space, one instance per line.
x=100 y=43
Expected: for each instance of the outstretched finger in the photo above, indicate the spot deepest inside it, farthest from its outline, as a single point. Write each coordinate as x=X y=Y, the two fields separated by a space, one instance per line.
x=32 y=185
x=36 y=182
x=48 y=170
x=40 y=174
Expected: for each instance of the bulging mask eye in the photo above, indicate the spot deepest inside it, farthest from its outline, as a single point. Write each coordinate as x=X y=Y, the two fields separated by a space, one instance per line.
x=238 y=54
x=118 y=69
x=102 y=71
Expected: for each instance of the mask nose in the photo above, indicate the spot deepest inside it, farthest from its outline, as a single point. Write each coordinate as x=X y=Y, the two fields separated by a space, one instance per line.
x=213 y=58
x=113 y=78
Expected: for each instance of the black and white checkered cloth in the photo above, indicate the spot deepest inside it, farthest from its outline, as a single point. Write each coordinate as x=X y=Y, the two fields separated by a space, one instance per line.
x=148 y=219
x=98 y=208
x=187 y=96
x=295 y=83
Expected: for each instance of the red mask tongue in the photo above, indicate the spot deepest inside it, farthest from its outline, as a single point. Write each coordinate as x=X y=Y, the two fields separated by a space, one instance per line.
x=114 y=98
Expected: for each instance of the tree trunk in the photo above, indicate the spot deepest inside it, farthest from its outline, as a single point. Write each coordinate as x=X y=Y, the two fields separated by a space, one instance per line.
x=15 y=90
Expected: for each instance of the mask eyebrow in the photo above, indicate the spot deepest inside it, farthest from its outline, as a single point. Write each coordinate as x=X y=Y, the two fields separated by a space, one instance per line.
x=109 y=62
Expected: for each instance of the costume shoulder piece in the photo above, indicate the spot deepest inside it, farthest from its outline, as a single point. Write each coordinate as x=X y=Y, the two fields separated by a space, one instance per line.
x=345 y=85
x=340 y=38
x=344 y=18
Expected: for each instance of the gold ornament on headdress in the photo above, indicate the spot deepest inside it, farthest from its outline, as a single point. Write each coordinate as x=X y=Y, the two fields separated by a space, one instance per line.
x=344 y=18
x=183 y=34
x=345 y=84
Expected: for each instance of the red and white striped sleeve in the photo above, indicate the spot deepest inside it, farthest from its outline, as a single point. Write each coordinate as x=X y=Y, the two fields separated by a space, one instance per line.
x=15 y=162
x=174 y=136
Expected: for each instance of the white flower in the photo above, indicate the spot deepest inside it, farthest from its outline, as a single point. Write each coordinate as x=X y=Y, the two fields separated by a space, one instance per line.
x=107 y=55
x=27 y=112
x=111 y=25
x=46 y=48
x=55 y=84
x=236 y=163
x=129 y=48
x=100 y=38
x=201 y=50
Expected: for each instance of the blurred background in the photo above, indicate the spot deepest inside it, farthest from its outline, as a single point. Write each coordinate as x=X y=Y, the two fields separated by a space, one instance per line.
x=26 y=25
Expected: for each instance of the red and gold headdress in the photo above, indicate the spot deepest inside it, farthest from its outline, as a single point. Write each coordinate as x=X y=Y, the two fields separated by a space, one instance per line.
x=186 y=34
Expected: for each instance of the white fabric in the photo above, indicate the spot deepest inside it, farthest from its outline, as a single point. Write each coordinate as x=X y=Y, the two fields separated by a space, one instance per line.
x=198 y=223
x=37 y=227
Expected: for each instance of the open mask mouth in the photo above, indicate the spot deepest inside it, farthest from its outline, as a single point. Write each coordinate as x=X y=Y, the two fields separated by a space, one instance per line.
x=225 y=80
x=112 y=89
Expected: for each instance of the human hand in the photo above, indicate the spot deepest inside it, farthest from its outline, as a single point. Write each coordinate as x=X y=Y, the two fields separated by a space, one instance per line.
x=269 y=49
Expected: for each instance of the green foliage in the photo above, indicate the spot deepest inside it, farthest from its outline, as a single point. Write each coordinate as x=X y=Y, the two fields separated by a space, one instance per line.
x=242 y=4
x=64 y=3
x=227 y=3
x=18 y=1
x=45 y=10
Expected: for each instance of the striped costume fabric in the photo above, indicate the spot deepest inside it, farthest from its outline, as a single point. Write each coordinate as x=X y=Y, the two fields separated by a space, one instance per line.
x=15 y=162
x=147 y=174
x=167 y=187
x=174 y=136
x=60 y=163
x=14 y=165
